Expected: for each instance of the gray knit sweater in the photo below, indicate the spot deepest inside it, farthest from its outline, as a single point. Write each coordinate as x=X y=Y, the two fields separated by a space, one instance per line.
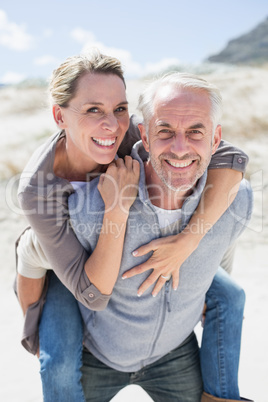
x=132 y=332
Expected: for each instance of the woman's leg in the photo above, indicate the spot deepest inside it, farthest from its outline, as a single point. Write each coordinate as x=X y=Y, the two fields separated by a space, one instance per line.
x=60 y=338
x=221 y=339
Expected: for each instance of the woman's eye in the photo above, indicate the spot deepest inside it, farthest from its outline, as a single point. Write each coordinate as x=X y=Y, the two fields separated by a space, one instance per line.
x=93 y=110
x=120 y=109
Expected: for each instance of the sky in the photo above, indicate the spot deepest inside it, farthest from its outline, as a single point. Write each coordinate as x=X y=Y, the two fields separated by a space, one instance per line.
x=146 y=35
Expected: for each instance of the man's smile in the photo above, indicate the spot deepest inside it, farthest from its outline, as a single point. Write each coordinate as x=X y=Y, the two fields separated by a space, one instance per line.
x=182 y=164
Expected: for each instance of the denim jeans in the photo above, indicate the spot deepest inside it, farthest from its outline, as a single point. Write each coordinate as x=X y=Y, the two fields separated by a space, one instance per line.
x=176 y=377
x=60 y=339
x=221 y=339
x=61 y=332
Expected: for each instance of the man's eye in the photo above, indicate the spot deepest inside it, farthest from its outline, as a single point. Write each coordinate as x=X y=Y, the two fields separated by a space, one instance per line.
x=163 y=134
x=195 y=134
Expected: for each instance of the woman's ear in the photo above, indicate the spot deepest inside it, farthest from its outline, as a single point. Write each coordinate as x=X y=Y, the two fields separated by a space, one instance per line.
x=144 y=137
x=58 y=116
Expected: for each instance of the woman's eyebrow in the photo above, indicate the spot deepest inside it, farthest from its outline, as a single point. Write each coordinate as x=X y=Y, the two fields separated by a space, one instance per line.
x=101 y=104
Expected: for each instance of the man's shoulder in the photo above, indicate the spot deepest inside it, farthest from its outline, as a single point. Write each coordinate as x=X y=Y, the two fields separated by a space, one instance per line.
x=241 y=208
x=86 y=200
x=244 y=197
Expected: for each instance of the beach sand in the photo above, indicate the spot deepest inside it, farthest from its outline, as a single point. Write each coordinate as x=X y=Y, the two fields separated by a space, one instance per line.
x=25 y=122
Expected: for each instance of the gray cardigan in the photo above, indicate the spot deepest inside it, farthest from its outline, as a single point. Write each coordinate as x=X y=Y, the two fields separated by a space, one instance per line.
x=132 y=332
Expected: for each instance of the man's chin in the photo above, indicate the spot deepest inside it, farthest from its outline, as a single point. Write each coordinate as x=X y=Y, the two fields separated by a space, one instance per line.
x=180 y=187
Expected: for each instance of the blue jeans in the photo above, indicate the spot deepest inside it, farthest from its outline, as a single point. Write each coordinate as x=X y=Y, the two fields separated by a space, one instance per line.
x=60 y=339
x=61 y=332
x=174 y=377
x=221 y=339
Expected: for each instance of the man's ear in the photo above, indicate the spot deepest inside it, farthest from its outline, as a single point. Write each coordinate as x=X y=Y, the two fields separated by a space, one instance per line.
x=58 y=116
x=216 y=139
x=144 y=137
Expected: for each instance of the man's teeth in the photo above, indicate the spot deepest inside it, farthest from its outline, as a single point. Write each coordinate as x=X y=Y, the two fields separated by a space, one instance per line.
x=105 y=143
x=179 y=164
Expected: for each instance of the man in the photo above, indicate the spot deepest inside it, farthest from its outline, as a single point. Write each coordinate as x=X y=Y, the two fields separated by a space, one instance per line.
x=144 y=340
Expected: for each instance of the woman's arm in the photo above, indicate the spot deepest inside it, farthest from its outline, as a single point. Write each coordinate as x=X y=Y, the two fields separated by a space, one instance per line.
x=118 y=195
x=224 y=175
x=32 y=266
x=108 y=251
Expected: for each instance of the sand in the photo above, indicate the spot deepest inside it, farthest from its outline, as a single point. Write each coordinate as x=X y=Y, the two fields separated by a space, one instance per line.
x=25 y=122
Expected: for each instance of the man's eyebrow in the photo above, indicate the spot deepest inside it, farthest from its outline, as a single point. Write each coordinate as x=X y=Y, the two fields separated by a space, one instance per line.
x=162 y=123
x=197 y=125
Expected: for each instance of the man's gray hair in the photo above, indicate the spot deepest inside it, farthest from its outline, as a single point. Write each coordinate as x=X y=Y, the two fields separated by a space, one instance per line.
x=182 y=81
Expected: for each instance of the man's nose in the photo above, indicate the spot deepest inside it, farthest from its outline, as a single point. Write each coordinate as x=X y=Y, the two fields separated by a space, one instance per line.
x=110 y=122
x=179 y=145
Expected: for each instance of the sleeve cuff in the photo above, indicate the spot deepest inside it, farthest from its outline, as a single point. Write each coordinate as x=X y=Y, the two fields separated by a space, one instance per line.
x=94 y=298
x=239 y=163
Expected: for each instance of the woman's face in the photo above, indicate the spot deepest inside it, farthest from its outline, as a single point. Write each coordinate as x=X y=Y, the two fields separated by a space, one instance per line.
x=96 y=119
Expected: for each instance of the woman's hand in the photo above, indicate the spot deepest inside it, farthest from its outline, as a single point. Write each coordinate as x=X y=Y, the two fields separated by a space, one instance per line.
x=119 y=185
x=169 y=253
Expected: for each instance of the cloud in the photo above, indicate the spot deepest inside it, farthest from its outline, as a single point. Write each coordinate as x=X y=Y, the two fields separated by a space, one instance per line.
x=46 y=60
x=89 y=42
x=48 y=33
x=83 y=36
x=131 y=67
x=14 y=36
x=154 y=68
x=12 y=78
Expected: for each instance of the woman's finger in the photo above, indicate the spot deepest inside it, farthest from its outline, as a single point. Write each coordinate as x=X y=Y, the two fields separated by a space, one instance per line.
x=175 y=279
x=128 y=162
x=159 y=284
x=146 y=248
x=119 y=162
x=148 y=283
x=139 y=269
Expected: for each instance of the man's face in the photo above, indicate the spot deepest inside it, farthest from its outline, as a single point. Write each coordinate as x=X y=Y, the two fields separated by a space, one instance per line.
x=180 y=138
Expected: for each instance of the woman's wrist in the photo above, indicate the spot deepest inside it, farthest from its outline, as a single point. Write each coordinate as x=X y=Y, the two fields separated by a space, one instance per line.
x=116 y=215
x=190 y=237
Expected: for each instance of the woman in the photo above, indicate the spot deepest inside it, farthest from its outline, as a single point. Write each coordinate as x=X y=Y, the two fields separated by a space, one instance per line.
x=90 y=109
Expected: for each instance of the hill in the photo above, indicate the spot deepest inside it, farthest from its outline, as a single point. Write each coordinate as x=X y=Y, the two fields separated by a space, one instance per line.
x=250 y=48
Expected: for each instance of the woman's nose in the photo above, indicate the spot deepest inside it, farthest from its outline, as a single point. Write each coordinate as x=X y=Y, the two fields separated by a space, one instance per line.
x=110 y=122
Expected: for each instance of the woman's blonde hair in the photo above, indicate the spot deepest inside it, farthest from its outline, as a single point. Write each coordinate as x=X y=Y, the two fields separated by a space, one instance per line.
x=64 y=80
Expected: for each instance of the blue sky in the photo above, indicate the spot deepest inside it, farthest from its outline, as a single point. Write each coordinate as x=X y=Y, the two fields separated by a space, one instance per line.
x=146 y=35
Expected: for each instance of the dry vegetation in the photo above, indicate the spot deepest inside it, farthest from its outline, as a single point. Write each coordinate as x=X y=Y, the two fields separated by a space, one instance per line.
x=26 y=119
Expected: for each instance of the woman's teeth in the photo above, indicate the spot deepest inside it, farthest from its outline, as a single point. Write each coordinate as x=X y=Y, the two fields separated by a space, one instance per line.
x=104 y=143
